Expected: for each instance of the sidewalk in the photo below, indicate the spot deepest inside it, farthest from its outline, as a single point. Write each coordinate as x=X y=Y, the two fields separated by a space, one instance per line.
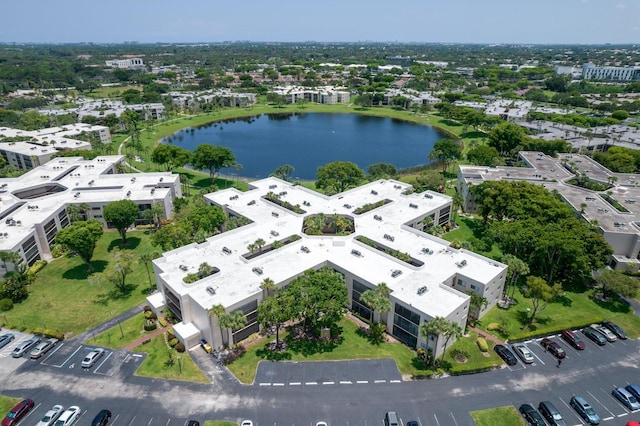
x=487 y=336
x=149 y=336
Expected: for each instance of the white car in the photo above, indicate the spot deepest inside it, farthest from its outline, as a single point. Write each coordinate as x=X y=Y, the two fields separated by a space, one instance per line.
x=69 y=416
x=524 y=353
x=608 y=334
x=92 y=357
x=246 y=423
x=51 y=416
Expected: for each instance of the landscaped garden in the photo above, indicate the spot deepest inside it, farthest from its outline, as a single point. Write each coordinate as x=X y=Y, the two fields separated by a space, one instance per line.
x=63 y=299
x=163 y=362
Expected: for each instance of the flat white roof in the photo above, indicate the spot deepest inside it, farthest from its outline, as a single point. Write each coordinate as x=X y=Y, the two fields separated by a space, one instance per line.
x=238 y=279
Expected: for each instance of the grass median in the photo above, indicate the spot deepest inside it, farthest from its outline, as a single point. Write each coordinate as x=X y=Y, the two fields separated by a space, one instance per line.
x=499 y=416
x=160 y=365
x=122 y=334
x=6 y=404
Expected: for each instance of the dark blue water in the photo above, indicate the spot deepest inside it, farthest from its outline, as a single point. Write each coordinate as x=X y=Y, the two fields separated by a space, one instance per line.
x=308 y=140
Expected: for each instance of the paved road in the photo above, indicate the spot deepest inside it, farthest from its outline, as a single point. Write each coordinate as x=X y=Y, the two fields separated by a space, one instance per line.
x=140 y=401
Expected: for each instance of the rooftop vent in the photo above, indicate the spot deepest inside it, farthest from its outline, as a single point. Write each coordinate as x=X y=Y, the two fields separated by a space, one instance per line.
x=275 y=214
x=427 y=251
x=422 y=290
x=273 y=186
x=395 y=273
x=257 y=270
x=251 y=203
x=305 y=249
x=226 y=250
x=413 y=206
x=389 y=237
x=373 y=192
x=356 y=252
x=275 y=233
x=428 y=196
x=377 y=217
x=184 y=268
x=211 y=290
x=346 y=206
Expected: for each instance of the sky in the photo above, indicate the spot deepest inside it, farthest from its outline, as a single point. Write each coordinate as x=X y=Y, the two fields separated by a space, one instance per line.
x=429 y=21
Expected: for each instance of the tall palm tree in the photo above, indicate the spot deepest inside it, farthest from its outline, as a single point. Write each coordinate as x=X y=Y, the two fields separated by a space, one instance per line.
x=232 y=321
x=433 y=330
x=453 y=331
x=377 y=300
x=267 y=286
x=146 y=258
x=218 y=311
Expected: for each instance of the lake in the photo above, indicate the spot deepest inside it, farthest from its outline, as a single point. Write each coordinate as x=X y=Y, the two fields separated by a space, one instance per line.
x=308 y=140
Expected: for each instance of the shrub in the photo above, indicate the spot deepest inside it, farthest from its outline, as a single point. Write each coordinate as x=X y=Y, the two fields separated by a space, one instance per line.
x=173 y=342
x=146 y=308
x=482 y=344
x=6 y=305
x=494 y=326
x=48 y=332
x=57 y=251
x=170 y=336
x=37 y=266
x=163 y=321
x=150 y=315
x=191 y=278
x=180 y=347
x=150 y=325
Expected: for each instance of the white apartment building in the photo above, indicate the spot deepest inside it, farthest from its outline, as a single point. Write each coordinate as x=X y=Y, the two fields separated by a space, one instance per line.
x=33 y=207
x=592 y=72
x=321 y=95
x=125 y=63
x=434 y=283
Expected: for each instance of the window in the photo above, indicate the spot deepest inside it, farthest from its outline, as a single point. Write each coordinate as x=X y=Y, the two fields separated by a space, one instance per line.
x=475 y=288
x=462 y=283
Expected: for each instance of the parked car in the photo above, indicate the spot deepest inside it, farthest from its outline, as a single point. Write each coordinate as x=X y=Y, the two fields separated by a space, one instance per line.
x=5 y=339
x=51 y=416
x=248 y=423
x=531 y=415
x=505 y=354
x=627 y=399
x=69 y=416
x=553 y=348
x=102 y=418
x=24 y=347
x=42 y=348
x=608 y=334
x=573 y=339
x=585 y=410
x=551 y=414
x=325 y=424
x=634 y=390
x=410 y=423
x=597 y=337
x=616 y=330
x=92 y=357
x=523 y=352
x=193 y=423
x=18 y=412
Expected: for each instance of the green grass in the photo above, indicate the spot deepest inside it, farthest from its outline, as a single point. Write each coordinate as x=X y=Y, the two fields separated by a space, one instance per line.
x=155 y=364
x=499 y=416
x=62 y=299
x=476 y=360
x=575 y=309
x=110 y=91
x=6 y=404
x=472 y=228
x=354 y=345
x=113 y=338
x=219 y=423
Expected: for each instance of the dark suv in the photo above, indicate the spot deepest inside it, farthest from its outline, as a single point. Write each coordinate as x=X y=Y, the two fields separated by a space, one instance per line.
x=551 y=413
x=102 y=418
x=573 y=339
x=505 y=354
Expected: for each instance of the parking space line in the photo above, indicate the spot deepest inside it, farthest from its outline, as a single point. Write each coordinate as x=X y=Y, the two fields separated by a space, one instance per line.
x=310 y=383
x=454 y=419
x=436 y=417
x=278 y=384
x=168 y=421
x=131 y=422
x=379 y=381
x=264 y=384
x=70 y=356
x=346 y=382
x=150 y=421
x=44 y=361
x=600 y=402
x=362 y=382
x=295 y=384
x=95 y=371
x=114 y=420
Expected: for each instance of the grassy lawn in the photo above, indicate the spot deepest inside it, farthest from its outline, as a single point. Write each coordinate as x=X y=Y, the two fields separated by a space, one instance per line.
x=62 y=299
x=499 y=416
x=472 y=230
x=476 y=360
x=110 y=91
x=575 y=309
x=354 y=345
x=113 y=338
x=155 y=364
x=219 y=423
x=6 y=404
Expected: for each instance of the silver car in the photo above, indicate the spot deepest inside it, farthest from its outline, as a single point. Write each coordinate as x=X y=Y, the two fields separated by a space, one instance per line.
x=524 y=353
x=92 y=357
x=5 y=339
x=51 y=416
x=25 y=347
x=608 y=334
x=42 y=348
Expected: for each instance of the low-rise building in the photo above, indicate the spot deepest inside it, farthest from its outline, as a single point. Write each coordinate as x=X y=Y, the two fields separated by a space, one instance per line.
x=33 y=207
x=125 y=63
x=431 y=281
x=321 y=95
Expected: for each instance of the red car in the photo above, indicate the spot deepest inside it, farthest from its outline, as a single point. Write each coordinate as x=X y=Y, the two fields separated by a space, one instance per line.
x=573 y=339
x=553 y=347
x=18 y=412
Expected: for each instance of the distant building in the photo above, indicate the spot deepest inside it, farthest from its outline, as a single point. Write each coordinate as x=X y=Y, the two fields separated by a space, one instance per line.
x=98 y=109
x=592 y=72
x=329 y=95
x=125 y=63
x=222 y=98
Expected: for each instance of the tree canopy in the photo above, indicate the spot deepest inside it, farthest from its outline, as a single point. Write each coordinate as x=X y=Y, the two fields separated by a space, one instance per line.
x=213 y=158
x=505 y=137
x=445 y=150
x=483 y=155
x=339 y=176
x=170 y=156
x=121 y=214
x=81 y=238
x=615 y=282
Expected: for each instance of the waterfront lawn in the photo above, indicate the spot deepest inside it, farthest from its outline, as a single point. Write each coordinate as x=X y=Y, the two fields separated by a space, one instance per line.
x=499 y=416
x=6 y=404
x=156 y=363
x=62 y=299
x=132 y=329
x=577 y=308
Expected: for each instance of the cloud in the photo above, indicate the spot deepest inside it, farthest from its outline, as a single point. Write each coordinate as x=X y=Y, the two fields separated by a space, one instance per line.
x=621 y=6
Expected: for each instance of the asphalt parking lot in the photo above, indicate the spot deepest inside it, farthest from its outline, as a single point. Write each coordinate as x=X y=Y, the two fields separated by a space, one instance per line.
x=328 y=373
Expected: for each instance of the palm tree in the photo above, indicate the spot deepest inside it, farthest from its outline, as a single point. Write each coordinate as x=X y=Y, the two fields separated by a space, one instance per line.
x=232 y=321
x=458 y=203
x=377 y=300
x=218 y=311
x=267 y=286
x=453 y=331
x=146 y=258
x=260 y=243
x=432 y=330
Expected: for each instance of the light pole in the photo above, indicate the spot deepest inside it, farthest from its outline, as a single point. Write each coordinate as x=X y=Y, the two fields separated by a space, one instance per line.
x=119 y=325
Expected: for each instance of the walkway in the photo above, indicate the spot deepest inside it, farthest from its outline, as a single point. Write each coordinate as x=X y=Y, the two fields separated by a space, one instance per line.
x=486 y=335
x=146 y=337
